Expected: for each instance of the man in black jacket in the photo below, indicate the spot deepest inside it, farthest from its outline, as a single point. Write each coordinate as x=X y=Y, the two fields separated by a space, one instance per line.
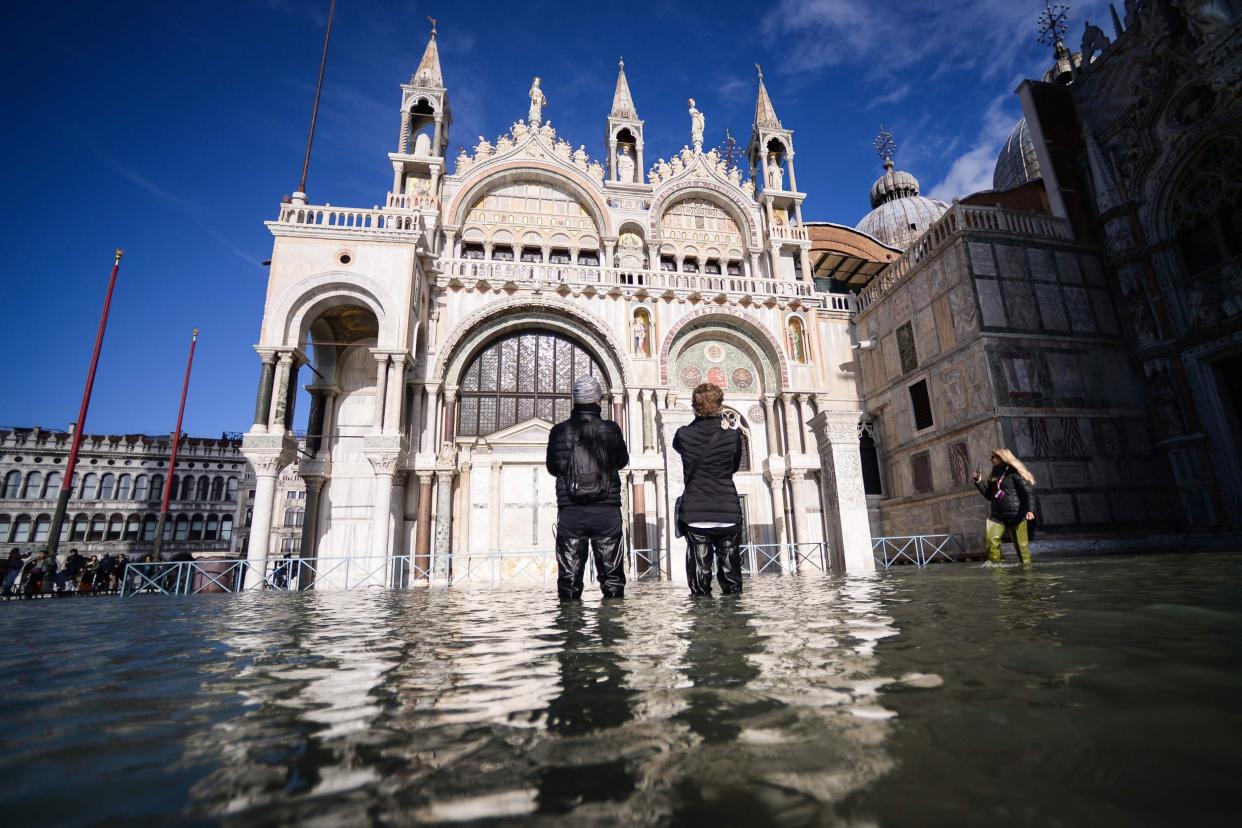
x=711 y=513
x=584 y=454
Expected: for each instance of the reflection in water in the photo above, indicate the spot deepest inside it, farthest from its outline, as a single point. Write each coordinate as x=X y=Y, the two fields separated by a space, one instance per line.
x=951 y=696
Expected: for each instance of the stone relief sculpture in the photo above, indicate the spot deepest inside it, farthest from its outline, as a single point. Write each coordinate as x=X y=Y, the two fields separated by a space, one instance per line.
x=580 y=157
x=537 y=101
x=697 y=125
x=519 y=129
x=483 y=150
x=596 y=172
x=625 y=166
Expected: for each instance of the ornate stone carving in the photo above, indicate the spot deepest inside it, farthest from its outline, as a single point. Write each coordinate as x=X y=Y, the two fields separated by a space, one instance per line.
x=384 y=464
x=756 y=414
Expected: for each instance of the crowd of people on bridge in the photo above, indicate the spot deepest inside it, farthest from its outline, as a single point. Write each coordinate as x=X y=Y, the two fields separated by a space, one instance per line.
x=37 y=573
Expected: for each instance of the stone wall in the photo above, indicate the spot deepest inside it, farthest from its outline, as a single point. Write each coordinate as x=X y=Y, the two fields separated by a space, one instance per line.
x=1016 y=342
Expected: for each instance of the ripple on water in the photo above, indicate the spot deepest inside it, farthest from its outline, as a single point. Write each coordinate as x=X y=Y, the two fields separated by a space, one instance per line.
x=801 y=702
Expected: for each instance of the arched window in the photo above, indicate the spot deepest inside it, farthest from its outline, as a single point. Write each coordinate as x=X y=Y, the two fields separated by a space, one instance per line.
x=142 y=488
x=231 y=490
x=123 y=487
x=90 y=486
x=212 y=529
x=34 y=485
x=226 y=527
x=196 y=526
x=148 y=527
x=41 y=526
x=106 y=485
x=133 y=526
x=521 y=376
x=157 y=487
x=204 y=488
x=187 y=487
x=12 y=484
x=217 y=488
x=21 y=529
x=51 y=487
x=182 y=528
x=116 y=528
x=99 y=525
x=78 y=532
x=168 y=528
x=6 y=526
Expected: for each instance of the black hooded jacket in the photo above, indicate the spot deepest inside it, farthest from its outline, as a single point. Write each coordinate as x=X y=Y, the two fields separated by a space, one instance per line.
x=710 y=496
x=610 y=444
x=1014 y=506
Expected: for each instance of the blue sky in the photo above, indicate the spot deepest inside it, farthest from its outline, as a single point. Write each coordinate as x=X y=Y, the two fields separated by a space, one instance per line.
x=173 y=129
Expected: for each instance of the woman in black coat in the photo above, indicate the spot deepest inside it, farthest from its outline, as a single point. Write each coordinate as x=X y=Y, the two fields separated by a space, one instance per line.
x=709 y=512
x=1008 y=491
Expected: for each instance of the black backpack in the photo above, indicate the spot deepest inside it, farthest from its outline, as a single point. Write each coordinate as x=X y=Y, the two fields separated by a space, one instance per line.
x=586 y=481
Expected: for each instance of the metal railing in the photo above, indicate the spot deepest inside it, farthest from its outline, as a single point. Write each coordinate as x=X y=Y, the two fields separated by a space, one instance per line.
x=919 y=550
x=406 y=571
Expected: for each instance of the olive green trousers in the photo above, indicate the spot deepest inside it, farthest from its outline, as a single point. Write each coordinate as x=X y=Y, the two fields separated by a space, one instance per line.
x=994 y=533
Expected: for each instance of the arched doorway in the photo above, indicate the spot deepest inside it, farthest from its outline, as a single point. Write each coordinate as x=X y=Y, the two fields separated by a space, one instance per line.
x=522 y=376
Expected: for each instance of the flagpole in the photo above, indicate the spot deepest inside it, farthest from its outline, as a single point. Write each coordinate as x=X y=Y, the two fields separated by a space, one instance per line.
x=79 y=428
x=172 y=458
x=323 y=63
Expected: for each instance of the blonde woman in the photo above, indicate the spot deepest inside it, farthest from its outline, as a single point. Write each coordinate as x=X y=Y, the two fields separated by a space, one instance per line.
x=1008 y=490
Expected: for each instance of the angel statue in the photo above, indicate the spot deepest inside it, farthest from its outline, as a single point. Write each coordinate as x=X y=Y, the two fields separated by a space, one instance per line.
x=697 y=123
x=537 y=100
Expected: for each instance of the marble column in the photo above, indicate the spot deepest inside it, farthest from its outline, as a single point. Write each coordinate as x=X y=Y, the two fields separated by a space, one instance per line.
x=310 y=529
x=769 y=420
x=649 y=412
x=672 y=419
x=776 y=484
x=331 y=395
x=441 y=566
x=638 y=530
x=634 y=421
x=385 y=467
x=280 y=394
x=809 y=410
x=314 y=422
x=427 y=442
x=396 y=394
x=381 y=391
x=799 y=533
x=265 y=471
x=847 y=529
x=449 y=429
x=422 y=540
x=263 y=403
x=660 y=547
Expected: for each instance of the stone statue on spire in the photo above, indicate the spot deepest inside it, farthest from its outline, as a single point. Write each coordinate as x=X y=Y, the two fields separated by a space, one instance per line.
x=537 y=101
x=697 y=124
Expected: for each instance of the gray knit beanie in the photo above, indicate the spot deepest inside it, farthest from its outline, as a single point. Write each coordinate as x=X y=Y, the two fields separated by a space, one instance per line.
x=587 y=390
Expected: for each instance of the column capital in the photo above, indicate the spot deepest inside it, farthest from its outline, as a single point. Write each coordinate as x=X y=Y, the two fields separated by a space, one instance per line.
x=384 y=464
x=837 y=427
x=424 y=477
x=265 y=353
x=314 y=482
x=450 y=393
x=768 y=399
x=797 y=475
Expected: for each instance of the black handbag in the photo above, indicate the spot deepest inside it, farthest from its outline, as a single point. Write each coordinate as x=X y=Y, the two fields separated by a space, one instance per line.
x=678 y=530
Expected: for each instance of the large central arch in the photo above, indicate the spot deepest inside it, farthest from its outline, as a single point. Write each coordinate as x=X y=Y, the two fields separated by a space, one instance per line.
x=477 y=184
x=509 y=315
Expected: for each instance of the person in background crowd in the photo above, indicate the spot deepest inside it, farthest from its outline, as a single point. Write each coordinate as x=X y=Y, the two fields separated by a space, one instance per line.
x=103 y=575
x=1008 y=491
x=73 y=569
x=585 y=453
x=52 y=577
x=709 y=512
x=15 y=562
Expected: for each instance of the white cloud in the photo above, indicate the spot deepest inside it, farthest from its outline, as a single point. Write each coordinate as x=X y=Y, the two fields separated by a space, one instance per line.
x=971 y=171
x=890 y=97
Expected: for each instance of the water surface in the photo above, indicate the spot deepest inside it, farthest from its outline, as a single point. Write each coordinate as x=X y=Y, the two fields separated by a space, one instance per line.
x=1100 y=691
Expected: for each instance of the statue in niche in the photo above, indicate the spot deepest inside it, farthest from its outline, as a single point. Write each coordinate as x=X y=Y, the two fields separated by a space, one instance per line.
x=776 y=175
x=625 y=166
x=797 y=340
x=697 y=125
x=642 y=333
x=537 y=101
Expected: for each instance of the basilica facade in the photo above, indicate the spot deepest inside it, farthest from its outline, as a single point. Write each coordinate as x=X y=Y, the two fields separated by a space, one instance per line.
x=439 y=335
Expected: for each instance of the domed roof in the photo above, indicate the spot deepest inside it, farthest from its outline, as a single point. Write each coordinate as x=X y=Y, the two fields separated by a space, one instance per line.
x=900 y=221
x=893 y=184
x=1016 y=163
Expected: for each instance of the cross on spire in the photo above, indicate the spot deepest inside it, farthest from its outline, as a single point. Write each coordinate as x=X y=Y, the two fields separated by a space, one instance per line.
x=885 y=147
x=1053 y=23
x=433 y=25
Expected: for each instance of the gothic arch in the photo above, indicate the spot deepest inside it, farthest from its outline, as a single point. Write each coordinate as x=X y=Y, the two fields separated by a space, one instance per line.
x=478 y=180
x=758 y=334
x=1179 y=169
x=507 y=315
x=732 y=204
x=292 y=314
